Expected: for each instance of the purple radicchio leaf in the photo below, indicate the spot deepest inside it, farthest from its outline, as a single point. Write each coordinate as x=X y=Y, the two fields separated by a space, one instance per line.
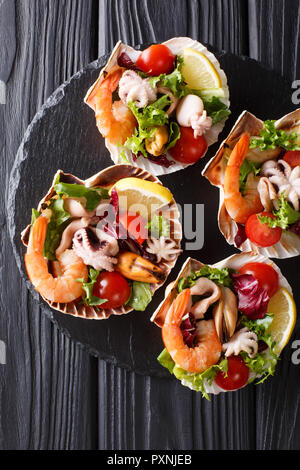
x=125 y=61
x=240 y=236
x=252 y=299
x=295 y=228
x=189 y=331
x=161 y=160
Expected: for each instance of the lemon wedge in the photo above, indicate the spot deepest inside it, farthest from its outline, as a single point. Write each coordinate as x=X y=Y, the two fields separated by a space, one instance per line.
x=283 y=307
x=141 y=196
x=198 y=71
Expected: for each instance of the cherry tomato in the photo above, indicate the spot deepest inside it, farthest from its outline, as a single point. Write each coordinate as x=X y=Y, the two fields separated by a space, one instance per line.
x=135 y=225
x=292 y=157
x=113 y=287
x=266 y=276
x=261 y=234
x=237 y=374
x=156 y=59
x=188 y=149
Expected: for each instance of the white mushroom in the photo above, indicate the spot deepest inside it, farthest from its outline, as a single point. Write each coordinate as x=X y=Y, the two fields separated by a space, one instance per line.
x=163 y=248
x=242 y=340
x=284 y=180
x=190 y=113
x=204 y=286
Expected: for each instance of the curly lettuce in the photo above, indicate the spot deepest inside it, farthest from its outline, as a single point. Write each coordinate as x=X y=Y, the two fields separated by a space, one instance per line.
x=195 y=381
x=220 y=276
x=271 y=138
x=263 y=364
x=283 y=217
x=89 y=298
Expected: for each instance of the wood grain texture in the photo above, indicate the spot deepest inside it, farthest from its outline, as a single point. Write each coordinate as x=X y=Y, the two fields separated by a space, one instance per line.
x=44 y=399
x=274 y=30
x=8 y=38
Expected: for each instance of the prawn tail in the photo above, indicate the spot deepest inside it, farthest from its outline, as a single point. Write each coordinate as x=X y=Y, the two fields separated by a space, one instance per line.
x=179 y=307
x=110 y=82
x=240 y=150
x=38 y=235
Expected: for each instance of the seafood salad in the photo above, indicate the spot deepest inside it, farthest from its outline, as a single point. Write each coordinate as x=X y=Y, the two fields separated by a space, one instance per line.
x=161 y=108
x=257 y=169
x=224 y=326
x=102 y=246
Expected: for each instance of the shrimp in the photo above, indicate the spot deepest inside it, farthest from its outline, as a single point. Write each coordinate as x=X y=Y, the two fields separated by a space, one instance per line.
x=208 y=350
x=115 y=121
x=62 y=289
x=240 y=206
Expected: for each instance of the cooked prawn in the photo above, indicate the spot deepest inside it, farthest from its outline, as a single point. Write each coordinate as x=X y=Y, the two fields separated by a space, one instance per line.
x=62 y=289
x=240 y=206
x=115 y=121
x=208 y=350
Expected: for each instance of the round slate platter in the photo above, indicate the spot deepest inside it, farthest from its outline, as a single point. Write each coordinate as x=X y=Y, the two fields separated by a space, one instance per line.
x=63 y=135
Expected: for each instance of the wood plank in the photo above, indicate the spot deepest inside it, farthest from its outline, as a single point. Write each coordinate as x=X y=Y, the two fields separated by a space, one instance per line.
x=274 y=35
x=144 y=412
x=48 y=393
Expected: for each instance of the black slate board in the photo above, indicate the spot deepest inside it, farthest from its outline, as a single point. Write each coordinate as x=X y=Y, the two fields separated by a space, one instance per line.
x=63 y=135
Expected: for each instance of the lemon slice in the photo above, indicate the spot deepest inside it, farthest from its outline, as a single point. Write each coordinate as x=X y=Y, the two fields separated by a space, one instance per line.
x=141 y=196
x=198 y=71
x=283 y=307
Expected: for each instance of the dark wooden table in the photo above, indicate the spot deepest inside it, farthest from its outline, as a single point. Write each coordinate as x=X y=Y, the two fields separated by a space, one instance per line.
x=53 y=394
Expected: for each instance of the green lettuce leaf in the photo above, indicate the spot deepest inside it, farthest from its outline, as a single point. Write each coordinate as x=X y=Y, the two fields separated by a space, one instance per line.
x=166 y=361
x=89 y=298
x=152 y=115
x=270 y=138
x=174 y=80
x=34 y=215
x=284 y=216
x=264 y=363
x=195 y=381
x=174 y=135
x=148 y=119
x=92 y=195
x=216 y=109
x=159 y=226
x=220 y=276
x=141 y=295
x=246 y=168
x=59 y=220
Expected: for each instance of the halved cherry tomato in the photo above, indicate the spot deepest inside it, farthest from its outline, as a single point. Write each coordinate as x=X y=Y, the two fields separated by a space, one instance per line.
x=188 y=149
x=261 y=234
x=156 y=59
x=266 y=276
x=113 y=287
x=237 y=374
x=135 y=225
x=292 y=157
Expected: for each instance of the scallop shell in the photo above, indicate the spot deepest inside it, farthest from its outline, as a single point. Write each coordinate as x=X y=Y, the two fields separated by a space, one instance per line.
x=176 y=45
x=107 y=177
x=234 y=262
x=289 y=244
